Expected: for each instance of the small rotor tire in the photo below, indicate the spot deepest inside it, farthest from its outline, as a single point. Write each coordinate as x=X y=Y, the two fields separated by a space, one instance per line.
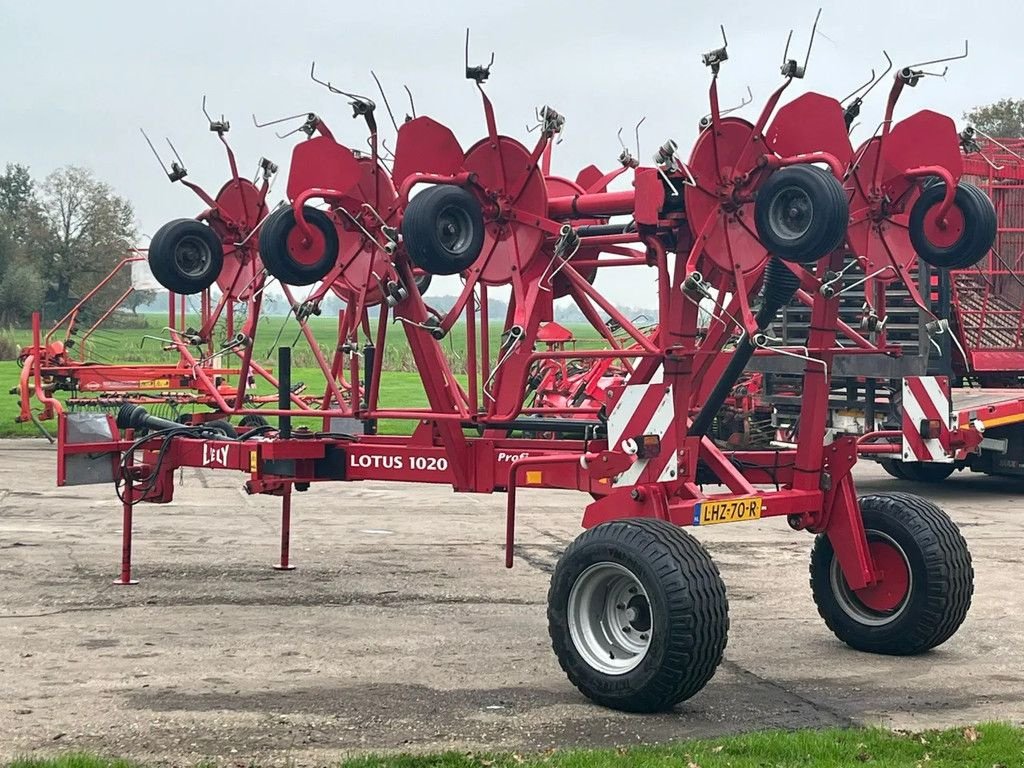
x=927 y=579
x=289 y=255
x=801 y=213
x=185 y=256
x=638 y=615
x=970 y=229
x=443 y=229
x=220 y=425
x=253 y=421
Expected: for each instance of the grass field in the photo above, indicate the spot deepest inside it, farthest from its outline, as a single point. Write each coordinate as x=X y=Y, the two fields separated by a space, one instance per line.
x=983 y=746
x=400 y=386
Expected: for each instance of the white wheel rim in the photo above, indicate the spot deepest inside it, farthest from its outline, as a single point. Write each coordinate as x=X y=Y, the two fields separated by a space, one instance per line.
x=610 y=619
x=848 y=600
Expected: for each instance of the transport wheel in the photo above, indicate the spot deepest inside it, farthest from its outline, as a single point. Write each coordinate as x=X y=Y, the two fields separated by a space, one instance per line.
x=443 y=229
x=925 y=471
x=970 y=226
x=289 y=256
x=927 y=584
x=185 y=256
x=253 y=420
x=893 y=467
x=638 y=615
x=801 y=213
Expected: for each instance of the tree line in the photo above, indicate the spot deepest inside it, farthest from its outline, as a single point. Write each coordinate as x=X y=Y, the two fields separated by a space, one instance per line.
x=59 y=237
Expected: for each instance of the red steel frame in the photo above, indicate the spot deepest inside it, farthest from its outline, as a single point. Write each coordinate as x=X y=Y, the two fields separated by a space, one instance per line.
x=705 y=242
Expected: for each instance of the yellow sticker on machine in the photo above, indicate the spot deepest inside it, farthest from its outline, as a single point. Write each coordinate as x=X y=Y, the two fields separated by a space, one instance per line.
x=727 y=511
x=154 y=383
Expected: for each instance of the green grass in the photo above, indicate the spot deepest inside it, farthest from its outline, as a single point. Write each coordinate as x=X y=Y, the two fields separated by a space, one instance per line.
x=400 y=384
x=984 y=746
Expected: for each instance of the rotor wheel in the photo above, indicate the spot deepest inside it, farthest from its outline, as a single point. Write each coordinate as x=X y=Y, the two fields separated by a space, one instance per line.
x=638 y=615
x=506 y=172
x=365 y=264
x=730 y=241
x=926 y=579
x=241 y=202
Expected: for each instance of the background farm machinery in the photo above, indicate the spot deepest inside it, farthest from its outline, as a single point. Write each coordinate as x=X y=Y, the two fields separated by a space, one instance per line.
x=758 y=215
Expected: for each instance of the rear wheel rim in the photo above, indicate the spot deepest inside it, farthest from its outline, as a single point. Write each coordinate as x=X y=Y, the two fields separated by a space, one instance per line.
x=454 y=230
x=192 y=256
x=791 y=213
x=882 y=603
x=610 y=620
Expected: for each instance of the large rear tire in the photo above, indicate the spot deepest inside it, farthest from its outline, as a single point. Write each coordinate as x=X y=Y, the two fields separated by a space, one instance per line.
x=927 y=581
x=638 y=615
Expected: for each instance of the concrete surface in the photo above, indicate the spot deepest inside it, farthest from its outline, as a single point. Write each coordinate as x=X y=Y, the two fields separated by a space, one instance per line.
x=402 y=630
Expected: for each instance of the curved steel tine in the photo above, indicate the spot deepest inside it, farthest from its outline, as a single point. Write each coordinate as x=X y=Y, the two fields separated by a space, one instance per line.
x=412 y=104
x=258 y=124
x=478 y=73
x=996 y=142
x=383 y=95
x=221 y=126
x=859 y=88
x=716 y=56
x=364 y=100
x=706 y=120
x=790 y=68
x=941 y=61
x=636 y=128
x=153 y=149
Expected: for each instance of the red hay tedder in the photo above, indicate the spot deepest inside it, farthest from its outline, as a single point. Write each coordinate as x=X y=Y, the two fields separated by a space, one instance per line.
x=760 y=215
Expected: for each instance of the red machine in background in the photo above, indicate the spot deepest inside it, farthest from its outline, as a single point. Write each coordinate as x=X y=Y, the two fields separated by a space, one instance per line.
x=758 y=215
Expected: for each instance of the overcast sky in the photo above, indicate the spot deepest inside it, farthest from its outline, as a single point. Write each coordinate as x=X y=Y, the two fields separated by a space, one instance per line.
x=79 y=78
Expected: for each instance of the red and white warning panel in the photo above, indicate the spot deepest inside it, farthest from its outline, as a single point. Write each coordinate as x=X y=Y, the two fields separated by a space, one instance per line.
x=640 y=423
x=927 y=419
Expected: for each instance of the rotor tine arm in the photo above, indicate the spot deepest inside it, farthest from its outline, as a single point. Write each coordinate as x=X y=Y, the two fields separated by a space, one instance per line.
x=412 y=104
x=383 y=96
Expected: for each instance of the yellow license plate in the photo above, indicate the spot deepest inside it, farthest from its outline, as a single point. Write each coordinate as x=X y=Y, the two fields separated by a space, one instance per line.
x=727 y=511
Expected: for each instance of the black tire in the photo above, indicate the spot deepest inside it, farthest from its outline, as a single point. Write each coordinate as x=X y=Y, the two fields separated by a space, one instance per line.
x=423 y=283
x=443 y=229
x=253 y=420
x=925 y=471
x=687 y=614
x=185 y=256
x=977 y=235
x=893 y=467
x=220 y=425
x=287 y=258
x=941 y=579
x=801 y=213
